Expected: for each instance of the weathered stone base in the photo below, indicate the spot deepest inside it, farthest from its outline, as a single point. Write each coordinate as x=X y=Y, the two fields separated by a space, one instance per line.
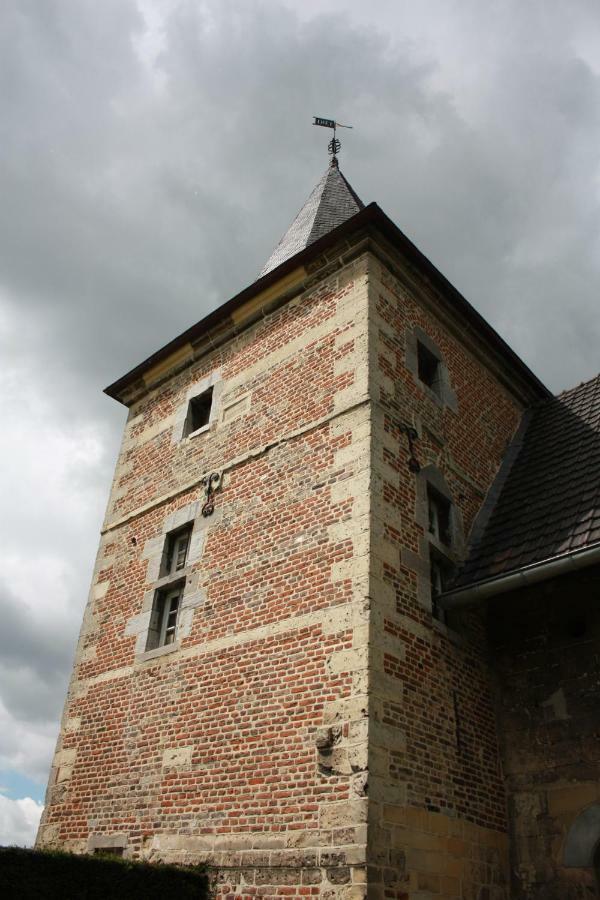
x=337 y=882
x=324 y=871
x=418 y=854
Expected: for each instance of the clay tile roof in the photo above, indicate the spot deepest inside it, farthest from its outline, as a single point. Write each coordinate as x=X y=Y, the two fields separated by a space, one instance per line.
x=545 y=501
x=330 y=204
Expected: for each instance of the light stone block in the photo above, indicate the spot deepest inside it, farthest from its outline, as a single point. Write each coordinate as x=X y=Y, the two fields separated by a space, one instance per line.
x=342 y=813
x=335 y=711
x=89 y=654
x=350 y=396
x=73 y=723
x=100 y=589
x=387 y=737
x=65 y=757
x=339 y=618
x=49 y=834
x=177 y=758
x=347 y=661
x=353 y=454
x=236 y=408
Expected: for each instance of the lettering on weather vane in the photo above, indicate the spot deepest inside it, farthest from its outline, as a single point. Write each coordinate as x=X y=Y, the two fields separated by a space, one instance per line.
x=334 y=144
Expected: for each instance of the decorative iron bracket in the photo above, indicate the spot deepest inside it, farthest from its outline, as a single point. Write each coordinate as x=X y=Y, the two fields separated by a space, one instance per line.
x=211 y=484
x=412 y=435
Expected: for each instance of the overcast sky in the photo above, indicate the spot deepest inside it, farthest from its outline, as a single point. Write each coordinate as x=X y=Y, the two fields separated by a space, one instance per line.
x=151 y=155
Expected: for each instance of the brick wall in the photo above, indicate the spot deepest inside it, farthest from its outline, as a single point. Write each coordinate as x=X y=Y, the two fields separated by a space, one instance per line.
x=546 y=642
x=244 y=744
x=312 y=716
x=437 y=800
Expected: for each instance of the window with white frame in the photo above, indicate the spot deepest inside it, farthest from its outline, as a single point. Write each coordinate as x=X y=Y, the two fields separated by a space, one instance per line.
x=167 y=600
x=198 y=413
x=163 y=621
x=176 y=552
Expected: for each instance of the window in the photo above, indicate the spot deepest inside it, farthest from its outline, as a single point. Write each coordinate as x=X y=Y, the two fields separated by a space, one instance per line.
x=440 y=574
x=168 y=596
x=439 y=516
x=163 y=622
x=177 y=547
x=198 y=414
x=428 y=368
x=442 y=543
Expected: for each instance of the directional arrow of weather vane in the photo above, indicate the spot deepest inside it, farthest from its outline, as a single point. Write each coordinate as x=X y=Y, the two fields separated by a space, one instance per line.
x=334 y=144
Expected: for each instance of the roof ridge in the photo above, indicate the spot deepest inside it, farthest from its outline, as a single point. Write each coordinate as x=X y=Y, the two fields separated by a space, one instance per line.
x=491 y=500
x=577 y=387
x=359 y=202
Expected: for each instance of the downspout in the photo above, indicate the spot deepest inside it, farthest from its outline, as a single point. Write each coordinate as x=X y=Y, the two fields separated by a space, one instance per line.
x=548 y=568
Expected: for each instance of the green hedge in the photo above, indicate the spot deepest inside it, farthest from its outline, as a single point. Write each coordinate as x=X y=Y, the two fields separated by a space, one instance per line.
x=34 y=875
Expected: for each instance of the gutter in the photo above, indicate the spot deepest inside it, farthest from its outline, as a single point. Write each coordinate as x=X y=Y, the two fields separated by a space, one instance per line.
x=532 y=574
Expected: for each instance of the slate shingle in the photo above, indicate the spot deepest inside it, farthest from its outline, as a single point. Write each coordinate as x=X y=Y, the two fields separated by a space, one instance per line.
x=546 y=499
x=331 y=203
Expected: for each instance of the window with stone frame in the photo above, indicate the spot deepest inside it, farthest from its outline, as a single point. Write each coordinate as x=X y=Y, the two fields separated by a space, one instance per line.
x=440 y=573
x=441 y=547
x=165 y=612
x=166 y=605
x=177 y=546
x=425 y=361
x=198 y=413
x=439 y=510
x=429 y=368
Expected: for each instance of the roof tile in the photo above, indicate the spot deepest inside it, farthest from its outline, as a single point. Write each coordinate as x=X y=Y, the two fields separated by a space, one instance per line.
x=331 y=203
x=548 y=501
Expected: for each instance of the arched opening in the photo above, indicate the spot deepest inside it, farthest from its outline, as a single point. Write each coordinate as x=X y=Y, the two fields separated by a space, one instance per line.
x=582 y=846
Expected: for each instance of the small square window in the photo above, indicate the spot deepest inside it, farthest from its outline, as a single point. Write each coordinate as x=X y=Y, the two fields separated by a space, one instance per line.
x=198 y=414
x=428 y=367
x=163 y=621
x=177 y=547
x=439 y=508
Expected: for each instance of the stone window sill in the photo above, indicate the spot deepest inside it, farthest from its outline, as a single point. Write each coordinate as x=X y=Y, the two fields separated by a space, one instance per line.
x=172 y=578
x=198 y=431
x=157 y=652
x=429 y=392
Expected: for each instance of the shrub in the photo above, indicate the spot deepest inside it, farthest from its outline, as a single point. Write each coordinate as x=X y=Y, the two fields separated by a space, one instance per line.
x=50 y=875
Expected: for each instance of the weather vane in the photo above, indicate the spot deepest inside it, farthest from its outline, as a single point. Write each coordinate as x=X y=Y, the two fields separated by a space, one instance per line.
x=334 y=144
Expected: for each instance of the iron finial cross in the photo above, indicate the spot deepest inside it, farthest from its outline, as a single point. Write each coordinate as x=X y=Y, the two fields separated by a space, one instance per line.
x=334 y=144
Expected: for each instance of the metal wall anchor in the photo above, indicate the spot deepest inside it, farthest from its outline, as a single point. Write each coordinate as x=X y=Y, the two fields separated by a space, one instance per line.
x=211 y=483
x=411 y=433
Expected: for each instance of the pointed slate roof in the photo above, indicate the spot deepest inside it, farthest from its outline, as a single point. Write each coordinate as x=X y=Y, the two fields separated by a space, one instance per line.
x=332 y=202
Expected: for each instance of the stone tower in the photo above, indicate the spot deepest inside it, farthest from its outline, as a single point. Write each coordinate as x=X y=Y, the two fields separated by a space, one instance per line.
x=266 y=679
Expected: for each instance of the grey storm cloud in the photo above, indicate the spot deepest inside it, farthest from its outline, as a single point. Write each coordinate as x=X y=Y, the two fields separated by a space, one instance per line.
x=22 y=643
x=151 y=156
